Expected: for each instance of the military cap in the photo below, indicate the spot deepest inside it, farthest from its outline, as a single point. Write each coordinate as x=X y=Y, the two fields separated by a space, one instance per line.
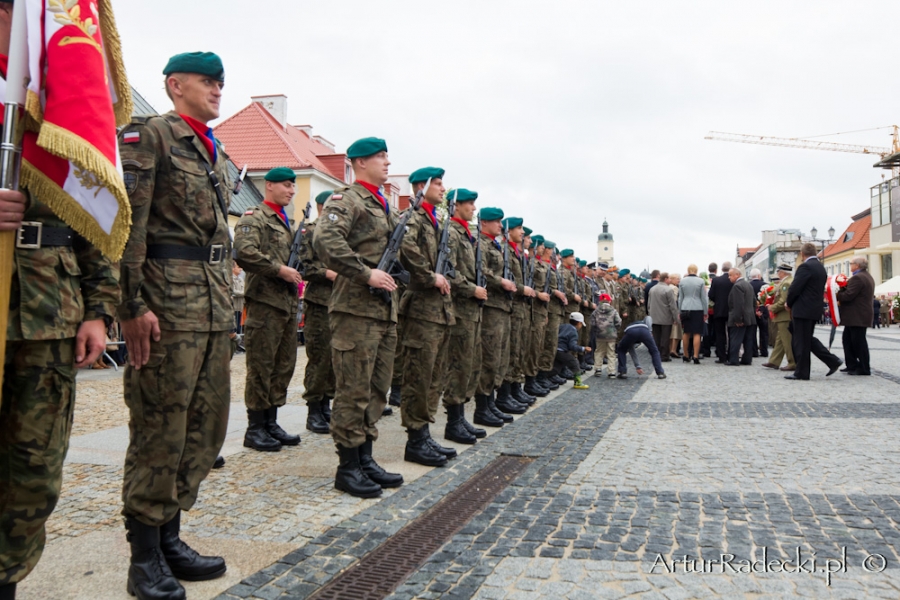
x=549 y=245
x=203 y=63
x=513 y=222
x=603 y=265
x=567 y=253
x=424 y=174
x=279 y=174
x=537 y=240
x=366 y=147
x=582 y=263
x=463 y=195
x=624 y=272
x=528 y=231
x=613 y=268
x=489 y=213
x=785 y=268
x=324 y=196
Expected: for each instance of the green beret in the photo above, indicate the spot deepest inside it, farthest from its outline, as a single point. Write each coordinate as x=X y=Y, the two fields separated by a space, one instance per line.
x=567 y=253
x=624 y=272
x=463 y=195
x=582 y=263
x=529 y=232
x=366 y=147
x=537 y=240
x=324 y=196
x=489 y=213
x=203 y=63
x=279 y=174
x=549 y=245
x=423 y=175
x=513 y=222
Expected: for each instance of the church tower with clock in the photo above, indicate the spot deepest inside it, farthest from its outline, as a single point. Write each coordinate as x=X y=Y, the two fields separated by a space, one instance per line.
x=605 y=245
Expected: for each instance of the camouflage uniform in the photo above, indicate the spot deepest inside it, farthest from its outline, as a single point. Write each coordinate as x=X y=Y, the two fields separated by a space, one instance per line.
x=318 y=379
x=351 y=236
x=428 y=316
x=179 y=400
x=494 y=321
x=464 y=356
x=555 y=313
x=519 y=338
x=782 y=318
x=263 y=243
x=539 y=316
x=54 y=289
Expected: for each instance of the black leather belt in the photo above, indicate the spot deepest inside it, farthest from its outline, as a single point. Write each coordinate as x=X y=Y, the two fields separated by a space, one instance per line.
x=208 y=254
x=33 y=235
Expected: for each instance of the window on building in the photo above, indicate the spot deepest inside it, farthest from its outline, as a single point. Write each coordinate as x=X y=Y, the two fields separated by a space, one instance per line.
x=887 y=267
x=876 y=206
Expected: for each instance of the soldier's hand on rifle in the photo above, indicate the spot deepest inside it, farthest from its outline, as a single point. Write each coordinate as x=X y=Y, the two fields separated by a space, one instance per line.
x=12 y=210
x=137 y=333
x=441 y=283
x=480 y=293
x=624 y=315
x=508 y=285
x=577 y=298
x=90 y=342
x=561 y=296
x=288 y=274
x=529 y=293
x=330 y=275
x=382 y=281
x=543 y=296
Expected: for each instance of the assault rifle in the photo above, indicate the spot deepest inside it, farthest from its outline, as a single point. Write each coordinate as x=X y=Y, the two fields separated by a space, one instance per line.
x=525 y=281
x=390 y=262
x=444 y=266
x=546 y=281
x=294 y=261
x=560 y=284
x=480 y=279
x=507 y=272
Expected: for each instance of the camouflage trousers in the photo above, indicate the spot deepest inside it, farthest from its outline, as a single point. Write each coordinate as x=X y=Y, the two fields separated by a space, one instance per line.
x=551 y=339
x=425 y=349
x=397 y=377
x=463 y=362
x=362 y=351
x=519 y=340
x=38 y=403
x=270 y=338
x=538 y=325
x=495 y=325
x=178 y=404
x=318 y=379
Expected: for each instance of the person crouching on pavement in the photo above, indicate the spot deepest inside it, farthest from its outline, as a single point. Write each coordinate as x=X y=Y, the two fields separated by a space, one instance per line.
x=568 y=346
x=638 y=333
x=605 y=322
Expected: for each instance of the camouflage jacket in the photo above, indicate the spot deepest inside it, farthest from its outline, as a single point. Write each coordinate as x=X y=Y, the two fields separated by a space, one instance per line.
x=569 y=281
x=605 y=322
x=318 y=286
x=173 y=202
x=462 y=249
x=493 y=272
x=263 y=244
x=56 y=288
x=418 y=254
x=778 y=305
x=541 y=270
x=515 y=265
x=556 y=278
x=350 y=237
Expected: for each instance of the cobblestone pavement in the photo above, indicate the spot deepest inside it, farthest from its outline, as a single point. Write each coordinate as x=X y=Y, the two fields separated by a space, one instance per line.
x=637 y=489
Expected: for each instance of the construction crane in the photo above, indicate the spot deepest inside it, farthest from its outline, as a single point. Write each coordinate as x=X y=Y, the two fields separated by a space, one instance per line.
x=890 y=157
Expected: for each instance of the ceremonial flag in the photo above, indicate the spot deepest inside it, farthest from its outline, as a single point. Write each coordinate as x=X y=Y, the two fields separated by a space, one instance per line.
x=77 y=94
x=832 y=286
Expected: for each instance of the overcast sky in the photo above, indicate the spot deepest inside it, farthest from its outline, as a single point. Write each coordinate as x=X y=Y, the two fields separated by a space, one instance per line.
x=565 y=113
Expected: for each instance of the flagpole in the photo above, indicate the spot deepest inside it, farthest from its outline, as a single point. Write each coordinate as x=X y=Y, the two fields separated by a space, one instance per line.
x=11 y=156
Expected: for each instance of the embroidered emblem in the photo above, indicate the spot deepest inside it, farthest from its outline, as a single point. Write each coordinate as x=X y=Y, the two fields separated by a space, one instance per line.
x=332 y=217
x=249 y=212
x=131 y=137
x=337 y=196
x=245 y=228
x=131 y=180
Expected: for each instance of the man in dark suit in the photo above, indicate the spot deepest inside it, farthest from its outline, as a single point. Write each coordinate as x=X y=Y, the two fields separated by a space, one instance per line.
x=805 y=302
x=719 y=289
x=741 y=319
x=654 y=279
x=760 y=346
x=857 y=313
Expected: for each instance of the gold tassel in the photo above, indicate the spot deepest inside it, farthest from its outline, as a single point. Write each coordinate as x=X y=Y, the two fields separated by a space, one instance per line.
x=113 y=47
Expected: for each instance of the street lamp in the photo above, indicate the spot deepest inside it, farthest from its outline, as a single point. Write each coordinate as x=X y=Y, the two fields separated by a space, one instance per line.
x=815 y=232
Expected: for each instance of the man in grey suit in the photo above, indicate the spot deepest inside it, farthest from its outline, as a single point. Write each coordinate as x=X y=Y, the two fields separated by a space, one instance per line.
x=741 y=315
x=663 y=313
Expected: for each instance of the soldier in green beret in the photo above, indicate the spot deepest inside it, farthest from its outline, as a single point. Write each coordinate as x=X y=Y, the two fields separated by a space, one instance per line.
x=318 y=379
x=538 y=315
x=263 y=240
x=555 y=312
x=350 y=238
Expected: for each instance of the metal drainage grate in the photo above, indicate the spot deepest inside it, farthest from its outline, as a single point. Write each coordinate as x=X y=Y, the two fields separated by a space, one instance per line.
x=378 y=573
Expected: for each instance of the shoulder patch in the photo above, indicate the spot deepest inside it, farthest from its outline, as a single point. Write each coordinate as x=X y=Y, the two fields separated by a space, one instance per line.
x=249 y=212
x=131 y=137
x=332 y=217
x=337 y=196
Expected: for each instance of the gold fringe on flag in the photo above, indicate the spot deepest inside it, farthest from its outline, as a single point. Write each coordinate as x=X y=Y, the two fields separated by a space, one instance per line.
x=124 y=105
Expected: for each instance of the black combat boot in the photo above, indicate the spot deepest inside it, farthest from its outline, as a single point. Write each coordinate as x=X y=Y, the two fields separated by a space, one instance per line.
x=477 y=432
x=456 y=431
x=350 y=477
x=543 y=379
x=276 y=431
x=183 y=560
x=483 y=414
x=8 y=591
x=149 y=575
x=374 y=471
x=507 y=403
x=394 y=398
x=532 y=387
x=387 y=411
x=497 y=412
x=257 y=436
x=567 y=374
x=418 y=450
x=219 y=463
x=315 y=419
x=448 y=452
x=557 y=378
x=326 y=409
x=520 y=396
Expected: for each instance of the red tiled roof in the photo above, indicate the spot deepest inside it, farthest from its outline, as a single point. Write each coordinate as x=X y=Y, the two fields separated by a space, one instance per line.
x=859 y=239
x=745 y=251
x=254 y=137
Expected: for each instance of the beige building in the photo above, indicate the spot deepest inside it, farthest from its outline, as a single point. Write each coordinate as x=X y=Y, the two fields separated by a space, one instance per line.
x=884 y=237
